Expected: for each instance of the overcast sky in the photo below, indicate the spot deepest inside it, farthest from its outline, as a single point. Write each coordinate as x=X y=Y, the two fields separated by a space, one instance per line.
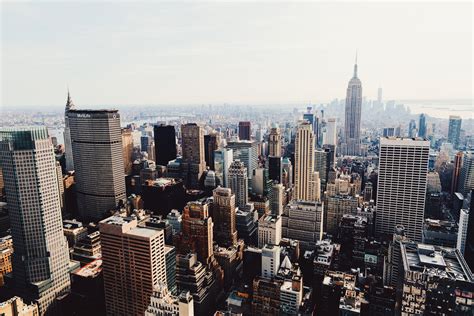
x=178 y=52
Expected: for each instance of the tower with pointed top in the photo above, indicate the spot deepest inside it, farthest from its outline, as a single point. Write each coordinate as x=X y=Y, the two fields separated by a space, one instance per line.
x=353 y=115
x=67 y=134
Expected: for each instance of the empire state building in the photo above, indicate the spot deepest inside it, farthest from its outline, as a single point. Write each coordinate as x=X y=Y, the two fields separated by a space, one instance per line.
x=351 y=145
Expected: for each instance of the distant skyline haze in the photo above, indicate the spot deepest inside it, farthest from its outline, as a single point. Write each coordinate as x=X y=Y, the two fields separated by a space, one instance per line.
x=234 y=52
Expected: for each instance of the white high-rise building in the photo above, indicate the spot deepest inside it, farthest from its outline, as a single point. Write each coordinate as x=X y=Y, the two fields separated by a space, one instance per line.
x=41 y=257
x=462 y=230
x=331 y=132
x=304 y=162
x=270 y=260
x=238 y=183
x=269 y=230
x=401 y=189
x=223 y=158
x=163 y=303
x=353 y=115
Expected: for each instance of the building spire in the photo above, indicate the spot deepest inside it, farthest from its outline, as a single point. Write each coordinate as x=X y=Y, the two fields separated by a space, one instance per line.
x=69 y=104
x=355 y=66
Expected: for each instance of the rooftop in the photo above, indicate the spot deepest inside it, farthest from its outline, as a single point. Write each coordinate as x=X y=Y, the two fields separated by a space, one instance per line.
x=435 y=260
x=91 y=269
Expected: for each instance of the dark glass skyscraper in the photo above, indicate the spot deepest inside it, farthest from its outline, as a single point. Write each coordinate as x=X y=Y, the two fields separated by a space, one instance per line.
x=422 y=126
x=244 y=130
x=165 y=144
x=454 y=130
x=97 y=149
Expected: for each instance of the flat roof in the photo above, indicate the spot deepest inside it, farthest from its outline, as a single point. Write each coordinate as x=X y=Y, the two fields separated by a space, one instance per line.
x=91 y=269
x=143 y=232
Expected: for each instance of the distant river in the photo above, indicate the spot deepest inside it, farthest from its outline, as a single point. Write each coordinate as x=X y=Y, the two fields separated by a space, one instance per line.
x=441 y=108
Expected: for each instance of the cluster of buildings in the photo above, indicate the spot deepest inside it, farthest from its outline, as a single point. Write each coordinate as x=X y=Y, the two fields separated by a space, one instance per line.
x=214 y=219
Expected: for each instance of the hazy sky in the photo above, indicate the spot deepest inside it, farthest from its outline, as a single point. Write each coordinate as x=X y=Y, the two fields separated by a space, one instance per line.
x=236 y=52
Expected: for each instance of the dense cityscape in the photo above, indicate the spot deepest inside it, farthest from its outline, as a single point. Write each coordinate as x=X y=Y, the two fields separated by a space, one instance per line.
x=222 y=210
x=236 y=158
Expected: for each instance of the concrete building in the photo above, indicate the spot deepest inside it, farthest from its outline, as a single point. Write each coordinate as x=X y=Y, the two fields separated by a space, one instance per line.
x=193 y=163
x=466 y=178
x=133 y=264
x=276 y=199
x=238 y=182
x=164 y=303
x=270 y=261
x=223 y=158
x=331 y=132
x=97 y=150
x=462 y=230
x=88 y=249
x=274 y=142
x=335 y=207
x=175 y=218
x=353 y=115
x=303 y=221
x=15 y=306
x=41 y=257
x=196 y=232
x=247 y=152
x=269 y=230
x=223 y=215
x=193 y=276
x=6 y=251
x=458 y=160
x=304 y=163
x=246 y=222
x=436 y=281
x=401 y=188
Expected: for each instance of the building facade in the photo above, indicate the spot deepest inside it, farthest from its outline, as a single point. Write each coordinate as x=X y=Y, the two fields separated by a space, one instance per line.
x=41 y=257
x=401 y=188
x=97 y=150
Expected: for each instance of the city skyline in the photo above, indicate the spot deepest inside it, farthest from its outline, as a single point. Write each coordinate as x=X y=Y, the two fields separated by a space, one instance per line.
x=278 y=54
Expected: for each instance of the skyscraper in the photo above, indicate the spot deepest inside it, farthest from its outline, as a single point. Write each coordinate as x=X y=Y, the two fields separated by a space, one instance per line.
x=165 y=144
x=97 y=150
x=211 y=143
x=304 y=162
x=238 y=182
x=466 y=176
x=127 y=149
x=422 y=126
x=223 y=214
x=454 y=130
x=133 y=264
x=223 y=157
x=67 y=134
x=244 y=130
x=274 y=142
x=412 y=132
x=401 y=188
x=41 y=256
x=331 y=132
x=196 y=232
x=458 y=160
x=353 y=115
x=193 y=164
